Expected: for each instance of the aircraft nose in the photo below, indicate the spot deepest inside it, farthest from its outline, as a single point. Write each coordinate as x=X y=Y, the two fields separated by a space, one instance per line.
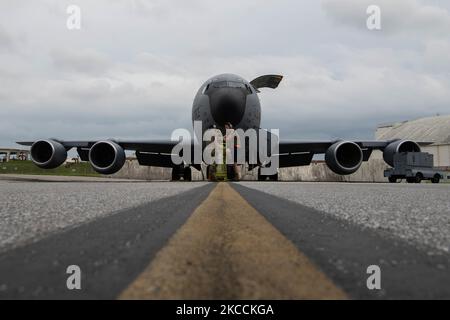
x=228 y=105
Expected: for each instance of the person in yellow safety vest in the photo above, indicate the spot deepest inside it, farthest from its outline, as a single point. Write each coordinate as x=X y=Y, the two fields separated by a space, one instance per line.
x=217 y=153
x=231 y=134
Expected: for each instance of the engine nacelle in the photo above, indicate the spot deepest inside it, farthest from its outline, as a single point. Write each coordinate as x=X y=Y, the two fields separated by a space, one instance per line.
x=48 y=154
x=344 y=157
x=396 y=147
x=106 y=157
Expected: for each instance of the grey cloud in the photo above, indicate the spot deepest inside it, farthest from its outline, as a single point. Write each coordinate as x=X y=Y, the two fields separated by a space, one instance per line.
x=437 y=56
x=133 y=69
x=6 y=41
x=80 y=60
x=409 y=17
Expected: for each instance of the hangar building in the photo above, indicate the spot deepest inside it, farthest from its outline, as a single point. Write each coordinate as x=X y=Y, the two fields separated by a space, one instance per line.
x=431 y=129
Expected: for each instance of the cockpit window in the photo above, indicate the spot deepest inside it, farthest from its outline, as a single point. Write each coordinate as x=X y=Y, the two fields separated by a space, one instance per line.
x=220 y=84
x=233 y=84
x=228 y=84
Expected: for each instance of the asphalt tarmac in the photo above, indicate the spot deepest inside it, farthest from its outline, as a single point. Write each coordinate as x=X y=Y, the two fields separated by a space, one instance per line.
x=33 y=210
x=249 y=240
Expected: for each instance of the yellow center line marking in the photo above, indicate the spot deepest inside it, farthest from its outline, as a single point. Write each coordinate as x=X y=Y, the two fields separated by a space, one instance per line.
x=227 y=250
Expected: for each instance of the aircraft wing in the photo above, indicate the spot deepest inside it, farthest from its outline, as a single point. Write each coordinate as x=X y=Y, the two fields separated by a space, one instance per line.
x=292 y=146
x=300 y=153
x=163 y=146
x=148 y=152
x=159 y=152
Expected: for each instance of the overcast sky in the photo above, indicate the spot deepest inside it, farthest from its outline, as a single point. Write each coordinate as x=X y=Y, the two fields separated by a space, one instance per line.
x=134 y=67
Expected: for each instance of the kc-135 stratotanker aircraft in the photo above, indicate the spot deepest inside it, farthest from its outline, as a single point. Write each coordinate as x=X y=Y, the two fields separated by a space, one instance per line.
x=221 y=99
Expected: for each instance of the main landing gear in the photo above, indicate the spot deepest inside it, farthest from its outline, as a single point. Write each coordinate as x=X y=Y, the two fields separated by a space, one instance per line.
x=261 y=177
x=179 y=172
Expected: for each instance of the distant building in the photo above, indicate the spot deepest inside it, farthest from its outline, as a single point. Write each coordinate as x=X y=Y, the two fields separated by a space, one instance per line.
x=431 y=129
x=6 y=154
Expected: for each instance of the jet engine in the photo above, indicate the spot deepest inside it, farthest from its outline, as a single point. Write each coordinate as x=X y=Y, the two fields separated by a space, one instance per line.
x=396 y=147
x=344 y=157
x=106 y=157
x=48 y=154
